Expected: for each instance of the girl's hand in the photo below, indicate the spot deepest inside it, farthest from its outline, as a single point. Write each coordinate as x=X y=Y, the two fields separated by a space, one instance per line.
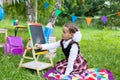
x=38 y=46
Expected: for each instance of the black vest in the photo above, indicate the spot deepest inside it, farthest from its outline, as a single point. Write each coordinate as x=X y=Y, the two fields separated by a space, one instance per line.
x=67 y=49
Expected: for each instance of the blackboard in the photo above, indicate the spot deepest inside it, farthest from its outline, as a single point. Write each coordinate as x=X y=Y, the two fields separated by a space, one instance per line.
x=36 y=33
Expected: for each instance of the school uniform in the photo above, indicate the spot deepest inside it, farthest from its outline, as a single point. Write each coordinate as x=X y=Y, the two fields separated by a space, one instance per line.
x=74 y=63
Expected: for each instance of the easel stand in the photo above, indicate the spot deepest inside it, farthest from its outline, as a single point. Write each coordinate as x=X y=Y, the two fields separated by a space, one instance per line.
x=34 y=63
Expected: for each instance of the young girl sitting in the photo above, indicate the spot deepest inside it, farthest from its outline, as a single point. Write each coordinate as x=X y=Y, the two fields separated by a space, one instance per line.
x=74 y=63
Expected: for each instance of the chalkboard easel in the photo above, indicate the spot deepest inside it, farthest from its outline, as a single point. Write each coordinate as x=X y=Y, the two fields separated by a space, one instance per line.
x=36 y=36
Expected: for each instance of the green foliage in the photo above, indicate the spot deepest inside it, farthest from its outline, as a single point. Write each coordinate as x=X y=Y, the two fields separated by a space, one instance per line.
x=112 y=20
x=44 y=14
x=15 y=11
x=91 y=8
x=18 y=11
x=88 y=8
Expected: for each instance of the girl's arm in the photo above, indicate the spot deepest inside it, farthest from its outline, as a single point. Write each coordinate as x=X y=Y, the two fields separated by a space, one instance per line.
x=71 y=59
x=48 y=46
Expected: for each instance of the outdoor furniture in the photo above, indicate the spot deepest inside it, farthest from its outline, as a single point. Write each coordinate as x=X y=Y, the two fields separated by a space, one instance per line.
x=18 y=27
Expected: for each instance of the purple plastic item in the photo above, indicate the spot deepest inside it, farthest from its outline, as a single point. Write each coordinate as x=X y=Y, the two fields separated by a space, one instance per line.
x=13 y=45
x=110 y=76
x=48 y=72
x=52 y=78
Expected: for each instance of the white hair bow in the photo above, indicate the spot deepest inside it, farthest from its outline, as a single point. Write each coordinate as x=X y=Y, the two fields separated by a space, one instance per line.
x=77 y=36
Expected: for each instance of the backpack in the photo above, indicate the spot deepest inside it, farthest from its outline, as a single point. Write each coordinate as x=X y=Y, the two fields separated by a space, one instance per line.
x=13 y=45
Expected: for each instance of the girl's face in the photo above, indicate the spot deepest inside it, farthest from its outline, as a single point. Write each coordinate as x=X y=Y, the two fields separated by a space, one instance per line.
x=66 y=34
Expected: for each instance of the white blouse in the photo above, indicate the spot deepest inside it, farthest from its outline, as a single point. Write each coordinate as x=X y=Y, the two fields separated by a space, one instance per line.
x=72 y=55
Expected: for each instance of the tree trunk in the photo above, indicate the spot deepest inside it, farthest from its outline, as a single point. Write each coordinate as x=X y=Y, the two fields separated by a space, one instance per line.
x=53 y=17
x=35 y=8
x=30 y=11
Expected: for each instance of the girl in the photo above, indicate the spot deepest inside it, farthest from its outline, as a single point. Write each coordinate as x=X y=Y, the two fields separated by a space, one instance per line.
x=74 y=63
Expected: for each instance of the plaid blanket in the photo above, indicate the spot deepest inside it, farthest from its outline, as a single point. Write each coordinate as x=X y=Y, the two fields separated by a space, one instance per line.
x=90 y=74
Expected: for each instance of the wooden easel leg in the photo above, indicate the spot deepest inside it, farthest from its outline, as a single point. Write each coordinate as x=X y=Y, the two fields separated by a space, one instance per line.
x=50 y=57
x=51 y=61
x=25 y=51
x=38 y=57
x=37 y=72
x=36 y=62
x=21 y=61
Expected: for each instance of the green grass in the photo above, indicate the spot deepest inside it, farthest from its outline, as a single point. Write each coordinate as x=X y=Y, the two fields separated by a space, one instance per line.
x=101 y=48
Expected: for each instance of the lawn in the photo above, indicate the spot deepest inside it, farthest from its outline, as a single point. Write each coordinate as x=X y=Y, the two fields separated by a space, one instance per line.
x=101 y=48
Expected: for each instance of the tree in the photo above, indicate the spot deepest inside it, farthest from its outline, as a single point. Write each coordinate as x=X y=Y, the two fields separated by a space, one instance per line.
x=31 y=13
x=110 y=8
x=53 y=16
x=32 y=9
x=90 y=8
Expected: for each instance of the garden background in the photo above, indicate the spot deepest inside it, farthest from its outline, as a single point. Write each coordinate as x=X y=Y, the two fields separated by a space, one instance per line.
x=100 y=43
